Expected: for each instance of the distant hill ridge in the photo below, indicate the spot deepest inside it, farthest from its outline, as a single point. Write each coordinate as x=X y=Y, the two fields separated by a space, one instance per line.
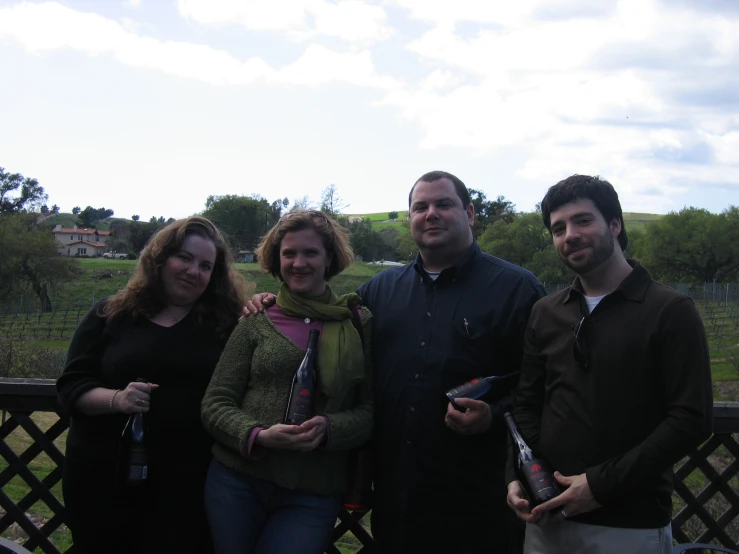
x=378 y=219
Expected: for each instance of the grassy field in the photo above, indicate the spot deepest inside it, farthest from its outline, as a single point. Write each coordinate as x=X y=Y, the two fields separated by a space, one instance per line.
x=634 y=221
x=100 y=277
x=639 y=221
x=380 y=216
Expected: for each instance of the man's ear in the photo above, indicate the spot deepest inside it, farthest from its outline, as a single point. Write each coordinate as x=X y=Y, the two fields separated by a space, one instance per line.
x=470 y=214
x=616 y=227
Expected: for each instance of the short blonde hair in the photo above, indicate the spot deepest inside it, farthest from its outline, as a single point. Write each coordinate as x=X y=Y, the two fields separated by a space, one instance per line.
x=335 y=241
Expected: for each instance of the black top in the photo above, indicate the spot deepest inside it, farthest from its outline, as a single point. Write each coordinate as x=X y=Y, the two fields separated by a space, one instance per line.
x=642 y=402
x=181 y=360
x=431 y=336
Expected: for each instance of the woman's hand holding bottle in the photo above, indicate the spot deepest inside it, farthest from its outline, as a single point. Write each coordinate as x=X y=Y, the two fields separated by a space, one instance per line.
x=136 y=397
x=304 y=437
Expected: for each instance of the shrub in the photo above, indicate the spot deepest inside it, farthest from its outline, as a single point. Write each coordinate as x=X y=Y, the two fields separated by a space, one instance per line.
x=24 y=360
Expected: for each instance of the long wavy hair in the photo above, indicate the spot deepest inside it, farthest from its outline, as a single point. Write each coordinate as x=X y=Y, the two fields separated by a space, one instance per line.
x=144 y=296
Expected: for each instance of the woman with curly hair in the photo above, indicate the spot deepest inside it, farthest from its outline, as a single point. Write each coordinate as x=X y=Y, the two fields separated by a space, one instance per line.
x=168 y=326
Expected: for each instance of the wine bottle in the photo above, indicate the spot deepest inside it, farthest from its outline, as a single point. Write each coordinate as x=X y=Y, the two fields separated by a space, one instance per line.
x=134 y=455
x=303 y=390
x=474 y=388
x=360 y=470
x=533 y=472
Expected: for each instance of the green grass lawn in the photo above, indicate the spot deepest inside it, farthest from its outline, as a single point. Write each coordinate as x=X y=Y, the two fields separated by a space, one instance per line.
x=635 y=216
x=100 y=277
x=381 y=216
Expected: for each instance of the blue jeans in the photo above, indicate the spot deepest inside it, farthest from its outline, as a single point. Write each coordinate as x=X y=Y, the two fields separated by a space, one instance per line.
x=253 y=516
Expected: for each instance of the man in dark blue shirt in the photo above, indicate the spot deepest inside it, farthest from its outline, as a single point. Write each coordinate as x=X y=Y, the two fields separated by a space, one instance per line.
x=454 y=314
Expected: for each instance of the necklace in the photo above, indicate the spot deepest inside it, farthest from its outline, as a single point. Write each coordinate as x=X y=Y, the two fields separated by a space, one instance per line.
x=176 y=318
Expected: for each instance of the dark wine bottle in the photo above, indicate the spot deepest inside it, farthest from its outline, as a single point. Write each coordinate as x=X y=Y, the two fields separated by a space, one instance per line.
x=533 y=472
x=303 y=390
x=134 y=455
x=474 y=388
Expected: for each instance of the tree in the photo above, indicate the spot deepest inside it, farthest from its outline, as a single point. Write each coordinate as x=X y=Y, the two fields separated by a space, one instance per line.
x=406 y=249
x=488 y=212
x=694 y=244
x=135 y=217
x=243 y=219
x=140 y=232
x=29 y=258
x=516 y=241
x=331 y=203
x=367 y=243
x=19 y=193
x=392 y=216
x=526 y=242
x=76 y=210
x=90 y=216
x=302 y=203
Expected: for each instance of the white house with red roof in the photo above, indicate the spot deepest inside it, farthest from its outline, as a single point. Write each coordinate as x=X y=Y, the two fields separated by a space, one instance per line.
x=82 y=242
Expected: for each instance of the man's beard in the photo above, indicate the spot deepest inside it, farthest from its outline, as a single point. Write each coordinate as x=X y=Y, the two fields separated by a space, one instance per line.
x=601 y=250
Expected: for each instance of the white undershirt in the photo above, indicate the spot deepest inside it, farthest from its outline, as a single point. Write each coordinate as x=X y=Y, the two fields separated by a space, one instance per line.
x=433 y=276
x=592 y=301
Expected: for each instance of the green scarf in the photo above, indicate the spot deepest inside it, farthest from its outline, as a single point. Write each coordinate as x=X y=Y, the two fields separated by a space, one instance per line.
x=340 y=358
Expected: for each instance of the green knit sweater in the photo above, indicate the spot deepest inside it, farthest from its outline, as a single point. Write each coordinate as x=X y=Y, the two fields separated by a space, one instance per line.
x=250 y=388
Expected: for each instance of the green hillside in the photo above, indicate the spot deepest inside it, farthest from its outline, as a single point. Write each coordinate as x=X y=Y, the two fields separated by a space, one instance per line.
x=70 y=220
x=638 y=221
x=634 y=220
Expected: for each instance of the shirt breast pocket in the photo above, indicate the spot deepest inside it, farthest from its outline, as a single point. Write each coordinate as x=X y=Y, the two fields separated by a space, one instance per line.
x=471 y=343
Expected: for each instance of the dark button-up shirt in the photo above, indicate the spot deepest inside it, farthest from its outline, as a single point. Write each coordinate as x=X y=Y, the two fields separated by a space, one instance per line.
x=428 y=337
x=642 y=401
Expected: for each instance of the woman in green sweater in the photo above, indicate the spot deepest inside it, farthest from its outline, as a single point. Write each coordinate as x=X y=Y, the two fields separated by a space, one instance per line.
x=274 y=487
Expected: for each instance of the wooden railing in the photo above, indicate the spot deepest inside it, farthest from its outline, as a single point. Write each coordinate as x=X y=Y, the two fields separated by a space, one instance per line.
x=706 y=482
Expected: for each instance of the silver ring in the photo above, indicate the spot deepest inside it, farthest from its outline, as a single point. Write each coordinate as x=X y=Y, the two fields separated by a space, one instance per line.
x=139 y=402
x=562 y=511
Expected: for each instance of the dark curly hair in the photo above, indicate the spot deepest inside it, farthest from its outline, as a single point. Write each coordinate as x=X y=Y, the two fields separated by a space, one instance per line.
x=600 y=191
x=220 y=304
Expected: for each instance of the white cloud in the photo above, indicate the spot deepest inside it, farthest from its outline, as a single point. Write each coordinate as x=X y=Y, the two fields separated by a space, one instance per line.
x=354 y=21
x=52 y=26
x=319 y=65
x=132 y=3
x=588 y=93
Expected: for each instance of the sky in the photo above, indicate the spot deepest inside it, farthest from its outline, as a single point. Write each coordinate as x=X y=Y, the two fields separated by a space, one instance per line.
x=148 y=107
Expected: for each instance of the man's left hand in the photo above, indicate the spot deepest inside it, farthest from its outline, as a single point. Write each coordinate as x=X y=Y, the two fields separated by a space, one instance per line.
x=474 y=420
x=577 y=499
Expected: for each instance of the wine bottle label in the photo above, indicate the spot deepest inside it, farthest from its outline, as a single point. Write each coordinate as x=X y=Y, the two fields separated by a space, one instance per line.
x=539 y=481
x=138 y=464
x=300 y=407
x=138 y=473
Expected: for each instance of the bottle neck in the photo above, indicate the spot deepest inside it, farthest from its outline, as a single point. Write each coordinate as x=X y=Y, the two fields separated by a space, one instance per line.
x=523 y=448
x=137 y=428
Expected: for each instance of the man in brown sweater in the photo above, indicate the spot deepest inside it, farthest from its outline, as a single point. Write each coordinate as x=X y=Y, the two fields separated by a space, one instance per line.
x=615 y=387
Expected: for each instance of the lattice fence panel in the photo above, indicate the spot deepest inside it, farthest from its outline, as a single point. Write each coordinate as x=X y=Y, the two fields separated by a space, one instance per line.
x=352 y=532
x=37 y=490
x=707 y=492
